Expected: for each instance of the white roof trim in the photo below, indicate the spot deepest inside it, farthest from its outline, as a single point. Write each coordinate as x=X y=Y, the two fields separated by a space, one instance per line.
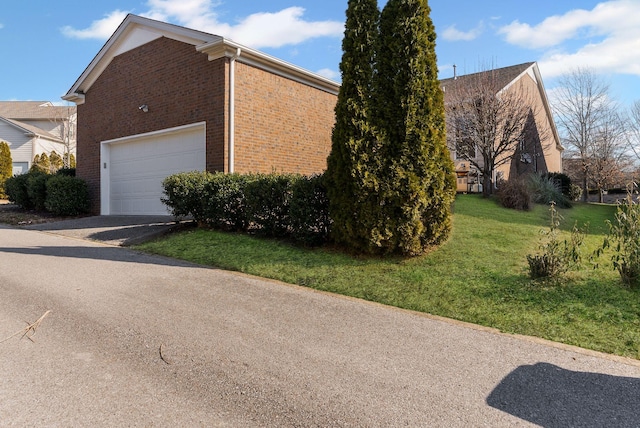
x=135 y=31
x=229 y=49
x=534 y=72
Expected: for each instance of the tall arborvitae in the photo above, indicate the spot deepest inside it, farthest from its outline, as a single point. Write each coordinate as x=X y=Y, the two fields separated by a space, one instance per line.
x=417 y=181
x=352 y=165
x=6 y=165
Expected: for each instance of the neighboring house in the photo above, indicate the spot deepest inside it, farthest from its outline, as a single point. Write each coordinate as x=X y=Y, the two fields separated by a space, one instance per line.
x=160 y=99
x=35 y=127
x=539 y=152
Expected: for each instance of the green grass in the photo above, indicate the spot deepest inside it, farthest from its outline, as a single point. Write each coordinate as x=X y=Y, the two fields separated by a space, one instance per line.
x=480 y=275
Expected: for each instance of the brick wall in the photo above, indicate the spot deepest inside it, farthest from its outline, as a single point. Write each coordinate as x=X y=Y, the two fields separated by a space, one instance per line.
x=281 y=125
x=180 y=86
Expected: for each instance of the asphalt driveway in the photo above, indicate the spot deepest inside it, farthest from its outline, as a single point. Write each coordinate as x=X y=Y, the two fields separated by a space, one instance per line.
x=139 y=340
x=113 y=230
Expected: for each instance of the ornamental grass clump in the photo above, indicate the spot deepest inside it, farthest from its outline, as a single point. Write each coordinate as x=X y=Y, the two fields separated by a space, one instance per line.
x=557 y=256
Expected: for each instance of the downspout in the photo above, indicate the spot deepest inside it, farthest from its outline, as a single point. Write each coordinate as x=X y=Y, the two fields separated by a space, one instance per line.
x=232 y=109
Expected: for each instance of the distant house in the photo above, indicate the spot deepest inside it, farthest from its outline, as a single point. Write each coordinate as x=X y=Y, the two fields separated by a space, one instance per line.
x=35 y=127
x=538 y=152
x=160 y=99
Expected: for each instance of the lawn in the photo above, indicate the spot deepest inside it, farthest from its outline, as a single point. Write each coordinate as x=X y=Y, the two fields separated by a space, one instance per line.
x=478 y=276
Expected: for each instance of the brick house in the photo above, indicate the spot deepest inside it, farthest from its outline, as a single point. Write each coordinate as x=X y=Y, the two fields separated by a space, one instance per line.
x=540 y=151
x=160 y=99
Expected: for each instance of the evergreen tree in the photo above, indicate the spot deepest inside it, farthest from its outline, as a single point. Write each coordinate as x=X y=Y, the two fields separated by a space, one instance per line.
x=417 y=182
x=351 y=176
x=41 y=163
x=6 y=166
x=55 y=162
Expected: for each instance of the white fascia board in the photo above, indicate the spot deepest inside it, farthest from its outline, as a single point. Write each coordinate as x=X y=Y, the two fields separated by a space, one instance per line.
x=134 y=31
x=226 y=48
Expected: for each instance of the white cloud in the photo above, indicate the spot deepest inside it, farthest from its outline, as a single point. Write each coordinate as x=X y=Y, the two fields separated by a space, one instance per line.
x=258 y=30
x=100 y=29
x=609 y=32
x=329 y=73
x=452 y=34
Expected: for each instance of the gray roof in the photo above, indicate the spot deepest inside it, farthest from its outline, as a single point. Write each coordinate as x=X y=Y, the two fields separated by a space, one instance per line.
x=501 y=77
x=34 y=130
x=34 y=110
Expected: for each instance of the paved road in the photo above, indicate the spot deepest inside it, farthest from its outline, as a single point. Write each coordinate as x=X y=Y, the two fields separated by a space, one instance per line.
x=136 y=340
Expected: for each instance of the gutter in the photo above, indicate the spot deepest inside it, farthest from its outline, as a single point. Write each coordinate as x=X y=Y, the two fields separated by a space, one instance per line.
x=232 y=110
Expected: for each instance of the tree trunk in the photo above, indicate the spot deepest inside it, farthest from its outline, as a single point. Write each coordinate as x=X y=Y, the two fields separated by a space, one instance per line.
x=487 y=186
x=601 y=196
x=585 y=189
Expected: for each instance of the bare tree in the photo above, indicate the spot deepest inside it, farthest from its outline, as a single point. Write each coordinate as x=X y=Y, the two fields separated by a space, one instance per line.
x=65 y=121
x=487 y=123
x=634 y=128
x=581 y=106
x=607 y=153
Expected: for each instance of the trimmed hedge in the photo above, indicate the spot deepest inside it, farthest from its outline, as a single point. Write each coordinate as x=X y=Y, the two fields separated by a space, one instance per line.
x=16 y=190
x=225 y=201
x=66 y=195
x=309 y=211
x=275 y=205
x=60 y=194
x=37 y=189
x=185 y=194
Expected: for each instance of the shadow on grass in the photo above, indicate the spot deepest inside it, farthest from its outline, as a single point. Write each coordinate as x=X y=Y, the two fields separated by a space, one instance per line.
x=550 y=396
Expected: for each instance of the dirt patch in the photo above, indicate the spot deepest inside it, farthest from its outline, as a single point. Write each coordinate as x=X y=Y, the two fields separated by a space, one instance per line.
x=16 y=216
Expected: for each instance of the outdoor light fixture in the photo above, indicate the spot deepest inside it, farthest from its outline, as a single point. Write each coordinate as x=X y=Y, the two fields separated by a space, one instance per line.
x=144 y=108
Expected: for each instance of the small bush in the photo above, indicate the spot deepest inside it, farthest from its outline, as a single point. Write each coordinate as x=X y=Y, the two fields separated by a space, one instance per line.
x=185 y=194
x=16 y=189
x=268 y=199
x=514 y=194
x=67 y=195
x=37 y=189
x=575 y=193
x=556 y=257
x=624 y=239
x=309 y=211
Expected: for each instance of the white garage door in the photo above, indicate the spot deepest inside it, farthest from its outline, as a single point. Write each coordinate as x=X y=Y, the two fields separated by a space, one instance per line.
x=137 y=166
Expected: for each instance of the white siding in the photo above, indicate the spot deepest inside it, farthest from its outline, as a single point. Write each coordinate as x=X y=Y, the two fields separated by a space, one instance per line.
x=19 y=143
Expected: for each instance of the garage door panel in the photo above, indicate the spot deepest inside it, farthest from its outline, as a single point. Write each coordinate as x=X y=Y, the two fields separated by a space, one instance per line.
x=139 y=165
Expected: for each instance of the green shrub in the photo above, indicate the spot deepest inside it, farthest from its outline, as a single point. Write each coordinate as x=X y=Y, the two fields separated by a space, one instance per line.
x=563 y=181
x=624 y=239
x=514 y=194
x=37 y=189
x=69 y=172
x=67 y=195
x=268 y=198
x=16 y=188
x=225 y=201
x=556 y=257
x=546 y=190
x=185 y=194
x=309 y=211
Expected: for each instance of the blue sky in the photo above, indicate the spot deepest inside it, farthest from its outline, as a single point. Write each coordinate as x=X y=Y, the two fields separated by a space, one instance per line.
x=45 y=45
